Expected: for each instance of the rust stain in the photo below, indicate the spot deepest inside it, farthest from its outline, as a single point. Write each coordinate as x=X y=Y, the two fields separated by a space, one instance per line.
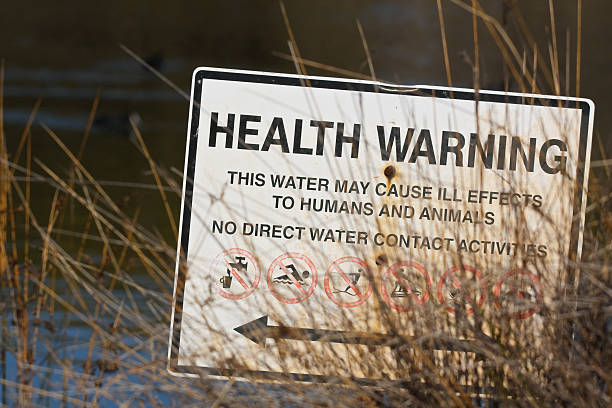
x=390 y=172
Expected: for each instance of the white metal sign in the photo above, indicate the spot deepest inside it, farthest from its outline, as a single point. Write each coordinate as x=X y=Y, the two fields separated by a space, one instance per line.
x=313 y=208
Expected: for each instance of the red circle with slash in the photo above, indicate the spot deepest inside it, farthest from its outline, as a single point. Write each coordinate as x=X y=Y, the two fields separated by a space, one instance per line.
x=393 y=271
x=362 y=296
x=536 y=284
x=225 y=259
x=290 y=278
x=450 y=273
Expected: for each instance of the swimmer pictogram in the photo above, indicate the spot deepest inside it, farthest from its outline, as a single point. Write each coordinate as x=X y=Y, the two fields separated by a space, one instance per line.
x=292 y=278
x=297 y=276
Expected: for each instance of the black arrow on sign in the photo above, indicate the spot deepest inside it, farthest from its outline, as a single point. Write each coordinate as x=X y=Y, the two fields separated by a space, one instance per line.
x=258 y=331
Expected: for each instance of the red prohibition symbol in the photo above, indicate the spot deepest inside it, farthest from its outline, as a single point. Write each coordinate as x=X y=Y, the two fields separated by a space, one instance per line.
x=403 y=286
x=519 y=294
x=237 y=272
x=449 y=275
x=292 y=278
x=347 y=282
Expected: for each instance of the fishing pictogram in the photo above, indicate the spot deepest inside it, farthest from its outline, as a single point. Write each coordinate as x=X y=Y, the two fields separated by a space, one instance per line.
x=404 y=284
x=348 y=282
x=452 y=292
x=518 y=293
x=292 y=278
x=238 y=273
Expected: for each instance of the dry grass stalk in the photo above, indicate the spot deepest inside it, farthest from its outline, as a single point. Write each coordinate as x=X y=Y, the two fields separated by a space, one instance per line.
x=117 y=283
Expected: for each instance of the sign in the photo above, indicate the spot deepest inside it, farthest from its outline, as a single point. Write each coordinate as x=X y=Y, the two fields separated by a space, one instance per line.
x=366 y=206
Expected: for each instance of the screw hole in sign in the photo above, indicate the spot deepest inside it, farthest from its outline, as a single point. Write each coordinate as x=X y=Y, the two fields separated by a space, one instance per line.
x=450 y=274
x=536 y=286
x=402 y=293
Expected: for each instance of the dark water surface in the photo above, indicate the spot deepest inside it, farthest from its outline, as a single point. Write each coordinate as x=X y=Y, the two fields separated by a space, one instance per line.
x=66 y=52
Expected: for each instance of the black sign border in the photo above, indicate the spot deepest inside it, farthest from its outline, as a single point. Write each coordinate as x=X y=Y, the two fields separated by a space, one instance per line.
x=348 y=85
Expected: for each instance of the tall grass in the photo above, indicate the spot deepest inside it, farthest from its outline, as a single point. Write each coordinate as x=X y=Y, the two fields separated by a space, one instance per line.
x=87 y=289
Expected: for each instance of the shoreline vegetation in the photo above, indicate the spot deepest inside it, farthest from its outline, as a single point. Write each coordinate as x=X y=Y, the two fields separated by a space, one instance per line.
x=86 y=288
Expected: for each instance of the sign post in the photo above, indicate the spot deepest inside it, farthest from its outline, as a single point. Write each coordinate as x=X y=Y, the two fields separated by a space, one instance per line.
x=320 y=214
